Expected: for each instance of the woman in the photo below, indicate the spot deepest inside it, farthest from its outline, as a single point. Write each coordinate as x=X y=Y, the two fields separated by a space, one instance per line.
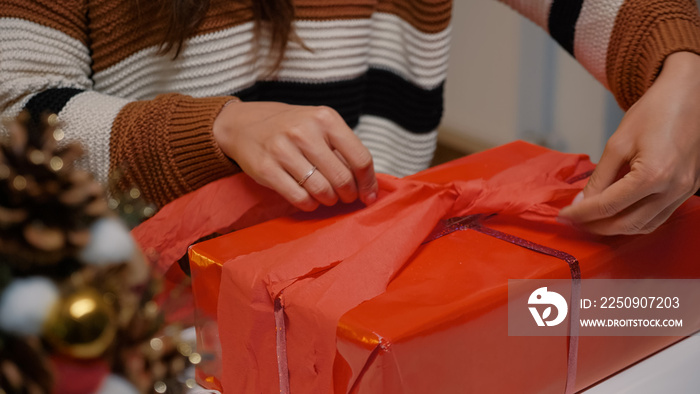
x=308 y=74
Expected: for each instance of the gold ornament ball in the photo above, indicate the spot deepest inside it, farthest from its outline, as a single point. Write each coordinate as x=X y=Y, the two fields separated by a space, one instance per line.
x=81 y=325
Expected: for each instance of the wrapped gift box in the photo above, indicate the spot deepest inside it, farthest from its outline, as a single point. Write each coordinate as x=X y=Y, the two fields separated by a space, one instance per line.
x=339 y=300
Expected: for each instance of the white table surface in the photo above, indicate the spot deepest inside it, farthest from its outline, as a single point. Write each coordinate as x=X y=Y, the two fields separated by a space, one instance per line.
x=675 y=370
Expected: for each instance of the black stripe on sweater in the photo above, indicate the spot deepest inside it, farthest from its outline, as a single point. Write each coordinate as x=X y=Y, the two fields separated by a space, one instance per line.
x=377 y=92
x=413 y=108
x=50 y=101
x=562 y=22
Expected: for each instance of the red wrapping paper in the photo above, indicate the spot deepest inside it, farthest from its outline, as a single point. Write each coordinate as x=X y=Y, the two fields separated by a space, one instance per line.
x=229 y=204
x=433 y=317
x=323 y=275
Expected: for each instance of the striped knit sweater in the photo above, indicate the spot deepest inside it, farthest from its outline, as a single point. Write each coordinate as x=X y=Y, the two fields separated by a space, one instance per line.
x=380 y=63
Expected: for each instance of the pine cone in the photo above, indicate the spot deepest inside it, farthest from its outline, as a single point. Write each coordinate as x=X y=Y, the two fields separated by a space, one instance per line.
x=150 y=356
x=23 y=366
x=46 y=204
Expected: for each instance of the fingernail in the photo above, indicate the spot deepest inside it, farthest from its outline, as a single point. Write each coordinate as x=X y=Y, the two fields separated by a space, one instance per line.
x=578 y=198
x=372 y=197
x=564 y=220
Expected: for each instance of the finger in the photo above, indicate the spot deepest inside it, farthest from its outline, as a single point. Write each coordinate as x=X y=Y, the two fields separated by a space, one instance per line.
x=607 y=170
x=298 y=166
x=641 y=218
x=632 y=188
x=314 y=183
x=277 y=179
x=338 y=174
x=360 y=163
x=664 y=215
x=342 y=138
x=630 y=221
x=341 y=158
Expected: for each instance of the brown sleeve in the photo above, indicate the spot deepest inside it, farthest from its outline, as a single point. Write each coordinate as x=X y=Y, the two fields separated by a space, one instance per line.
x=645 y=33
x=165 y=146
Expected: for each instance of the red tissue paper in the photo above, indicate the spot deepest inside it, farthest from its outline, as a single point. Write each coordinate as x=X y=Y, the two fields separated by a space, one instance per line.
x=381 y=299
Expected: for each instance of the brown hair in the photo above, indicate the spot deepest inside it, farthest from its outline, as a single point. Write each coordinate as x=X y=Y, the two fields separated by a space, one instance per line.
x=184 y=16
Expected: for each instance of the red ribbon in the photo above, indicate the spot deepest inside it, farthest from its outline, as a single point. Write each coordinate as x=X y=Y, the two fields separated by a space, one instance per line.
x=474 y=222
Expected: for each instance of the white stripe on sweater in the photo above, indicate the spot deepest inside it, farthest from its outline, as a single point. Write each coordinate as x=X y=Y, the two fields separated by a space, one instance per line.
x=418 y=57
x=593 y=31
x=395 y=151
x=222 y=62
x=35 y=58
x=88 y=118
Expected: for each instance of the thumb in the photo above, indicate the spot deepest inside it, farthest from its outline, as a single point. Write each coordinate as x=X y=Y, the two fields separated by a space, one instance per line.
x=607 y=172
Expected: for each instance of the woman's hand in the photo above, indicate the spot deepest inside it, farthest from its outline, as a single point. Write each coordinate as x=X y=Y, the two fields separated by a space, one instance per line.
x=279 y=145
x=651 y=165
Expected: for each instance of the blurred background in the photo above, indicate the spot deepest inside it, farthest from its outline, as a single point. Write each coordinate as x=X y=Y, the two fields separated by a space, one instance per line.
x=509 y=80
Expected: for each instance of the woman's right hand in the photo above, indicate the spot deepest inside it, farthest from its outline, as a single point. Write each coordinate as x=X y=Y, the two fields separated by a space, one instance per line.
x=278 y=145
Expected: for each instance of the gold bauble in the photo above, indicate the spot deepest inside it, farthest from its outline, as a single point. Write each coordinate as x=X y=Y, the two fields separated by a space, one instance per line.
x=81 y=325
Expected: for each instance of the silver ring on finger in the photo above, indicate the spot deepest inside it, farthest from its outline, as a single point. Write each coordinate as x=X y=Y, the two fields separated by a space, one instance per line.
x=307 y=176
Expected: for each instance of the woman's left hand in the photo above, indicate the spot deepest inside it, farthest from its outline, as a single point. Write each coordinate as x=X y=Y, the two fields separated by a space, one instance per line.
x=651 y=164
